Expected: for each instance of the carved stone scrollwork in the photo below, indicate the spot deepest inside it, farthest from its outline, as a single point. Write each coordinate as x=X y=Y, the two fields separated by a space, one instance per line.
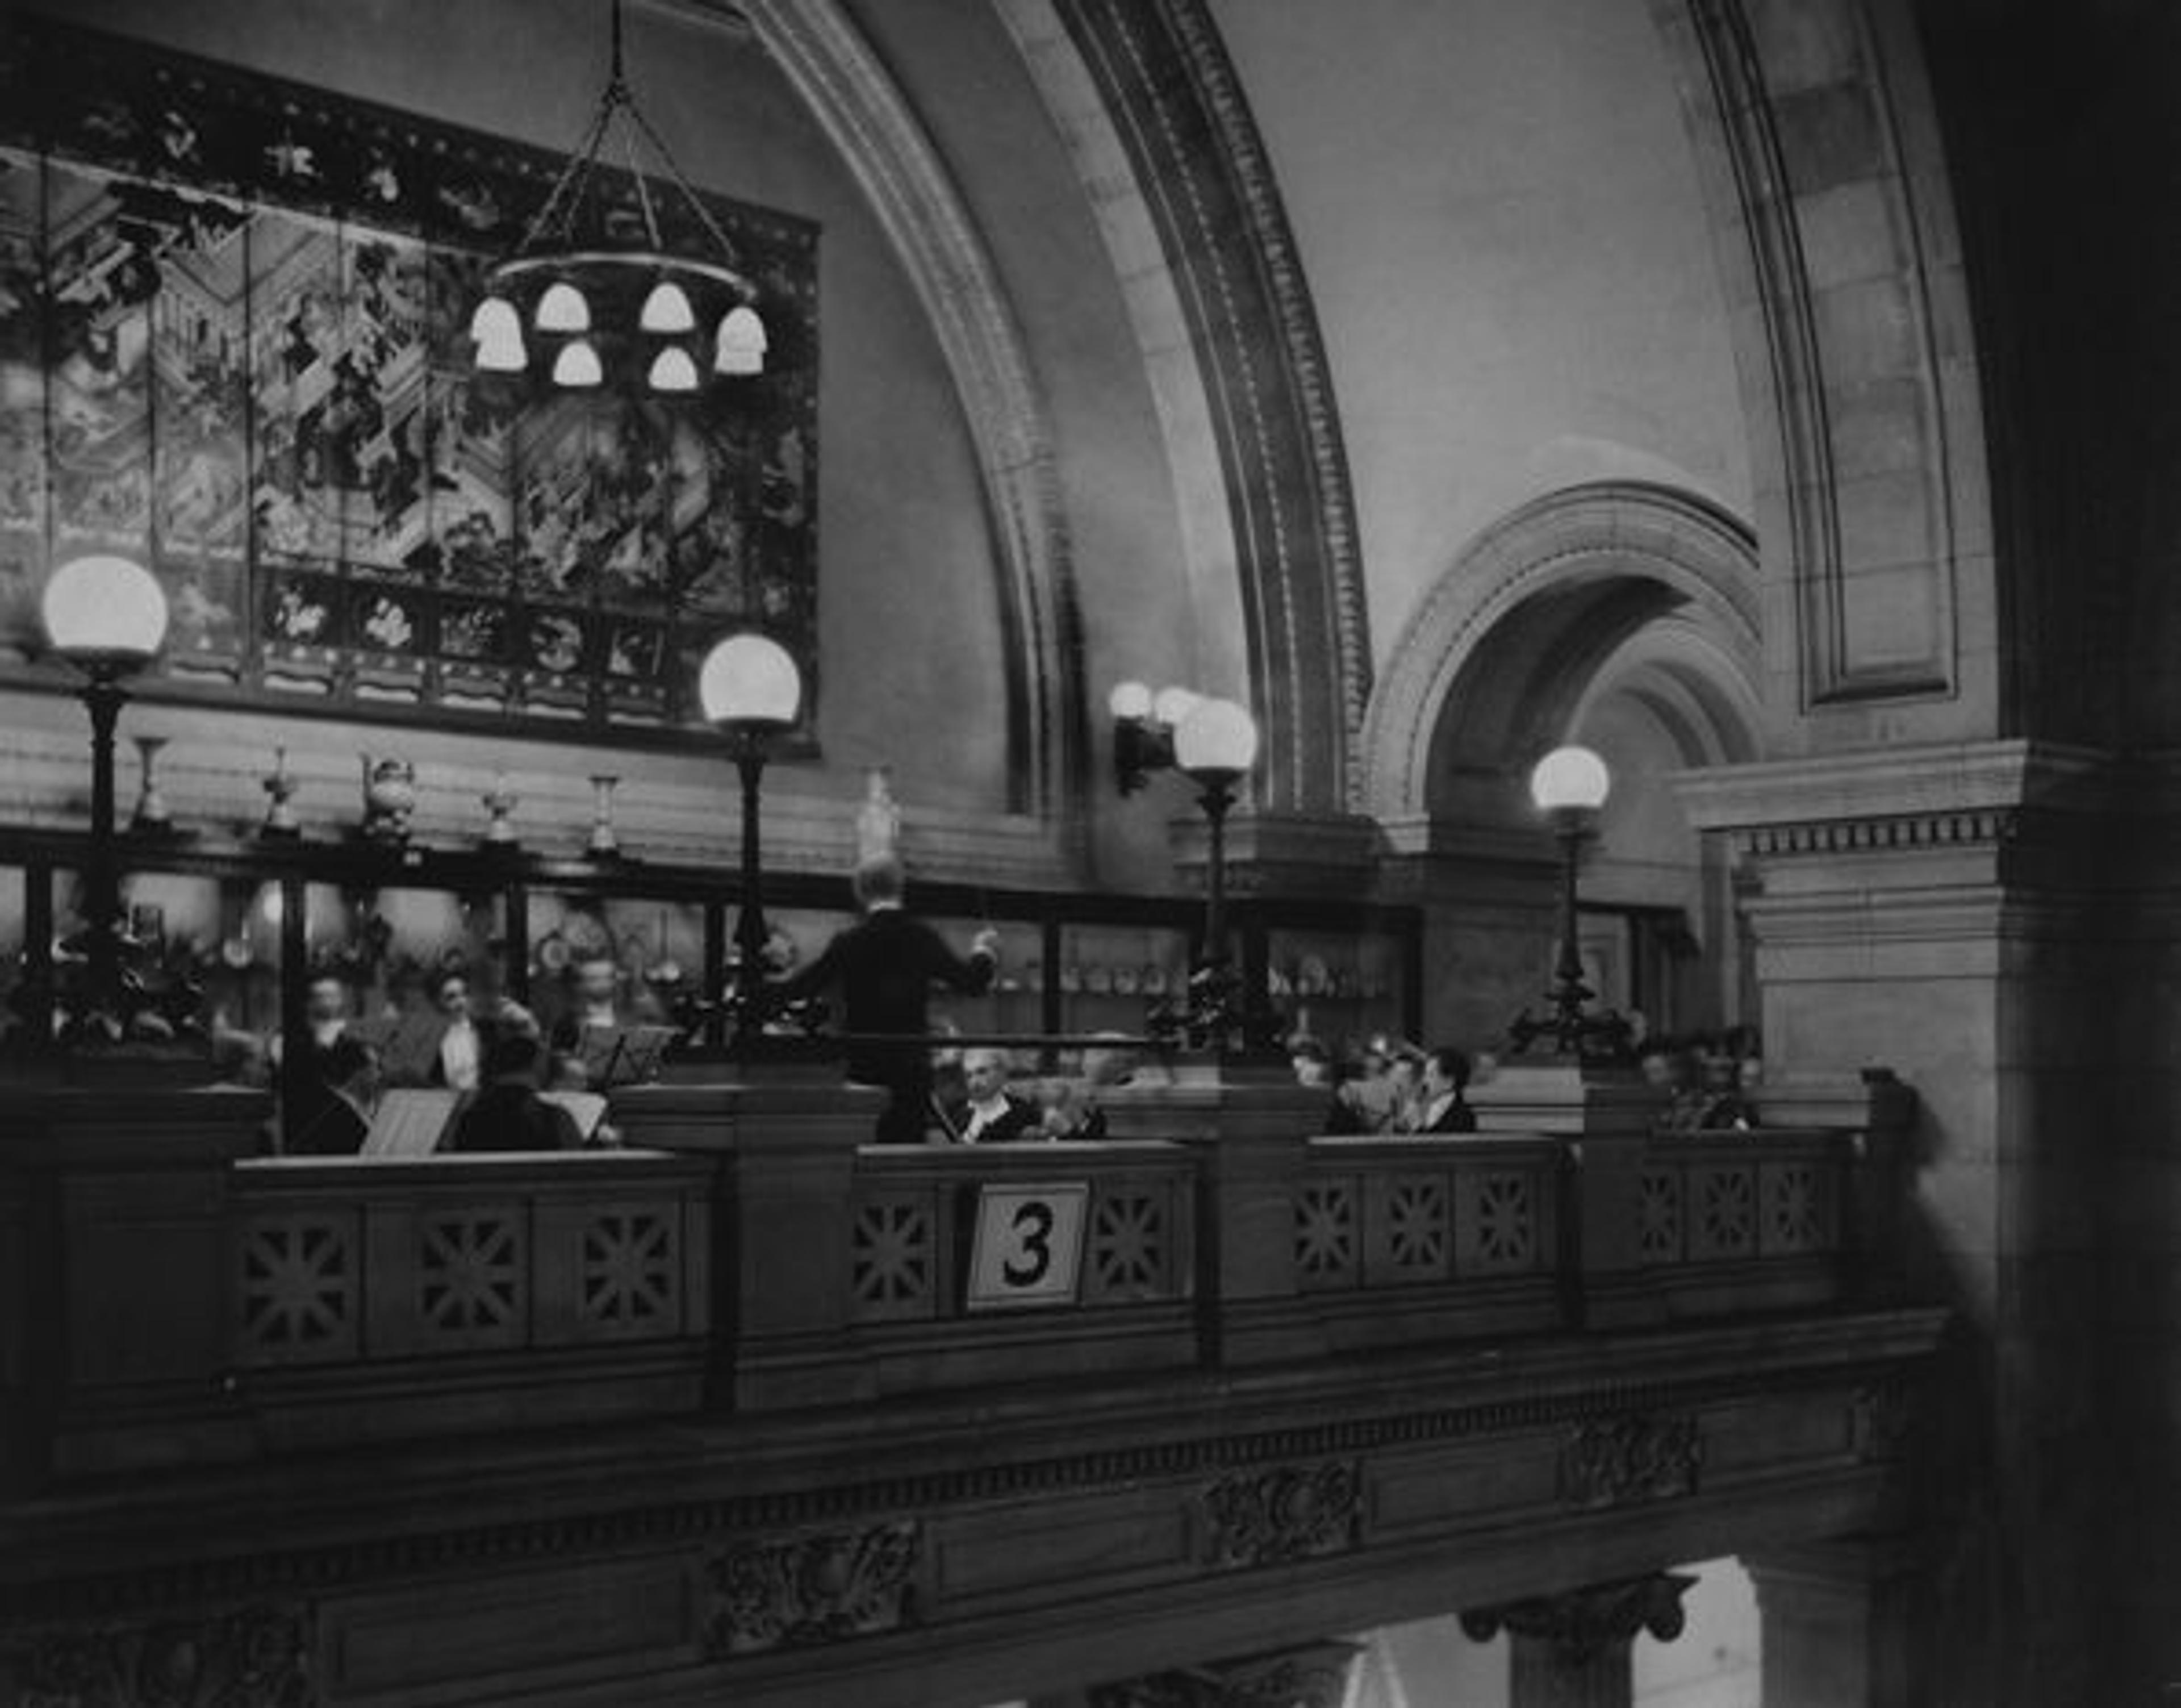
x=1583 y=1625
x=1285 y=1512
x=820 y=1588
x=257 y=1658
x=1313 y=1677
x=1610 y=1462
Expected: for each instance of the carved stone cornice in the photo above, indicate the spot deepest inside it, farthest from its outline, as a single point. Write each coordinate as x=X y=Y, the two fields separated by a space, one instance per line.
x=1282 y=1512
x=258 y=1657
x=821 y=1587
x=1582 y=1625
x=1252 y=1495
x=1927 y=794
x=1615 y=1461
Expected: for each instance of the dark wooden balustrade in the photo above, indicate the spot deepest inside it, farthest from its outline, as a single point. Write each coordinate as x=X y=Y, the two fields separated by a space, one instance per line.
x=163 y=1300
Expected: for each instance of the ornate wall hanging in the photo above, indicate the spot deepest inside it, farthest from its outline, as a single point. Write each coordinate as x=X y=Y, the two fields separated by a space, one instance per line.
x=233 y=346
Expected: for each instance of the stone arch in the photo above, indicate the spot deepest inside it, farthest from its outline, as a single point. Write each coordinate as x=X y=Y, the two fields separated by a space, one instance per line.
x=1817 y=146
x=1499 y=654
x=1184 y=194
x=854 y=97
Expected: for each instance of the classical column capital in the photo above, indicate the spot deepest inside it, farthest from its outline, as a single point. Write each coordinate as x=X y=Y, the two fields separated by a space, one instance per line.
x=1314 y=1675
x=1581 y=1626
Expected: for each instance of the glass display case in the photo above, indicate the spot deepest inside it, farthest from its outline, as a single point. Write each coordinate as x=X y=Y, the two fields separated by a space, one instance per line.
x=1111 y=975
x=1340 y=986
x=243 y=925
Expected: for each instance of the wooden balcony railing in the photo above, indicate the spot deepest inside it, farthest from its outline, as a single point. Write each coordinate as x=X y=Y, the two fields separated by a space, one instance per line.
x=163 y=1300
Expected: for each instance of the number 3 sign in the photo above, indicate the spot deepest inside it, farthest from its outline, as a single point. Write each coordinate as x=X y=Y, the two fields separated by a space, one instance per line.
x=1029 y=1247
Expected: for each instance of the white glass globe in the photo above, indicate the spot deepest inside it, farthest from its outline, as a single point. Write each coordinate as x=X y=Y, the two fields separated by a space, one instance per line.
x=1129 y=699
x=1172 y=704
x=1218 y=738
x=748 y=680
x=562 y=308
x=1570 y=779
x=666 y=310
x=105 y=611
x=673 y=369
x=741 y=344
x=577 y=366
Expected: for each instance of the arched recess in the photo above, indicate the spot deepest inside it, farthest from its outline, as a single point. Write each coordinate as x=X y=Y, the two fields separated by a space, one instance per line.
x=854 y=97
x=1564 y=594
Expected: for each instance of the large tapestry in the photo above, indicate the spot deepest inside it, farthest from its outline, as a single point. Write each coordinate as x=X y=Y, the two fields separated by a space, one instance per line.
x=234 y=347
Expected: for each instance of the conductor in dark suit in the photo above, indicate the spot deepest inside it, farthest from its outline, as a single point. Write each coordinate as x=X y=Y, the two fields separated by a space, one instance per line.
x=884 y=966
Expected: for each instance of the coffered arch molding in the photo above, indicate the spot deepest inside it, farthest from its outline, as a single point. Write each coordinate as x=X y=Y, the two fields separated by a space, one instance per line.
x=824 y=54
x=1183 y=188
x=1537 y=605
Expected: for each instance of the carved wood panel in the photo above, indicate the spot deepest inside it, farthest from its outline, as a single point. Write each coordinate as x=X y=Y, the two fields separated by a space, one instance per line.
x=1326 y=1234
x=298 y=1288
x=894 y=1273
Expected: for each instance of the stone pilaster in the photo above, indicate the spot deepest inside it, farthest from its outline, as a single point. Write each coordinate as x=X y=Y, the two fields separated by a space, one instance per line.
x=1489 y=902
x=1840 y=1622
x=1571 y=1651
x=1950 y=913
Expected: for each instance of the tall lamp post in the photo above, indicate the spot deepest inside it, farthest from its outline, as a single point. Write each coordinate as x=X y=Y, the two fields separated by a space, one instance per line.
x=1570 y=785
x=750 y=689
x=1214 y=746
x=107 y=617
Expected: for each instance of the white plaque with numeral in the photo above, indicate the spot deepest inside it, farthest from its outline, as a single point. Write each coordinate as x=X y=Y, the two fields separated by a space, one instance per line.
x=1029 y=1247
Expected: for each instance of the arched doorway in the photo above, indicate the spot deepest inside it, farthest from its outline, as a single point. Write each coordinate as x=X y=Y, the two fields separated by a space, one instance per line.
x=1620 y=615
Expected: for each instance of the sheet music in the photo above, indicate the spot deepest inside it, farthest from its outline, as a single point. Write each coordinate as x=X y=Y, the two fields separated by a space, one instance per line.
x=410 y=1122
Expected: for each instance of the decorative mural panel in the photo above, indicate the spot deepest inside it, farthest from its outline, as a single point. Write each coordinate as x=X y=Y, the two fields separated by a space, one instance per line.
x=235 y=346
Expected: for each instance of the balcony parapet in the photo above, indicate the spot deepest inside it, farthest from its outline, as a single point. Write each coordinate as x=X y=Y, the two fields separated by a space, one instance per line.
x=164 y=1302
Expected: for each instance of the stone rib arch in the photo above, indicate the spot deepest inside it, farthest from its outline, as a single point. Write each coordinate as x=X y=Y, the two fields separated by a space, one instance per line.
x=854 y=98
x=1556 y=587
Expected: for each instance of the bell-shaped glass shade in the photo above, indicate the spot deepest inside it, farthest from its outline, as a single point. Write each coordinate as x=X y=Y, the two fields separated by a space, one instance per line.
x=495 y=318
x=1570 y=777
x=1217 y=739
x=105 y=611
x=742 y=343
x=1129 y=699
x=750 y=681
x=666 y=310
x=562 y=308
x=673 y=369
x=1172 y=704
x=578 y=366
x=500 y=348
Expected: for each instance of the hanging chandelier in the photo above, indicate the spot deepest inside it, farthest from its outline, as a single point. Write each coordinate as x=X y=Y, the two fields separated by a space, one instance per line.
x=593 y=281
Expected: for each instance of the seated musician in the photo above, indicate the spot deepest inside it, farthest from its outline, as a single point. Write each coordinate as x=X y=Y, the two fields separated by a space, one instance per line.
x=1442 y=1105
x=337 y=1124
x=458 y=1061
x=595 y=1003
x=994 y=1115
x=509 y=1114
